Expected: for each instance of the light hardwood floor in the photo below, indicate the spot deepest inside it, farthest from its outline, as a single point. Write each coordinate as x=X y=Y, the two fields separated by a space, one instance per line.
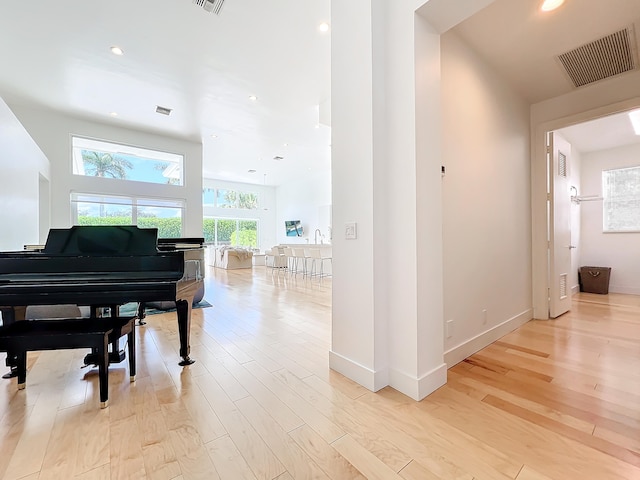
x=555 y=399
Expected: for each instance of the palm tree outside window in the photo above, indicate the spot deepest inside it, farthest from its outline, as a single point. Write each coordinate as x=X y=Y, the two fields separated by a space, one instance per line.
x=97 y=158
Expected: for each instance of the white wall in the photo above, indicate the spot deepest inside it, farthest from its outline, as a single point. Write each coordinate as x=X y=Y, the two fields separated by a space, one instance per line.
x=52 y=132
x=265 y=214
x=486 y=203
x=23 y=165
x=307 y=200
x=616 y=250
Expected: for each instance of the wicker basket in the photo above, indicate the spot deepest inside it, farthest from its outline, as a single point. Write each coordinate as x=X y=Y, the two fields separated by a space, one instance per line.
x=595 y=279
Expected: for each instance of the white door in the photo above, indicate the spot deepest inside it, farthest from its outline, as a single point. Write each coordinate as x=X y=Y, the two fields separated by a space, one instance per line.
x=559 y=202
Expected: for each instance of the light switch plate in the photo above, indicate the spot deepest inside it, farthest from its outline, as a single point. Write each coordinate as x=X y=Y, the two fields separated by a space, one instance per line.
x=350 y=230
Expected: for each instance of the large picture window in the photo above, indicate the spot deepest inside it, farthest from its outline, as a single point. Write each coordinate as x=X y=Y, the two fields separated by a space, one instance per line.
x=230 y=231
x=225 y=198
x=621 y=192
x=165 y=215
x=96 y=158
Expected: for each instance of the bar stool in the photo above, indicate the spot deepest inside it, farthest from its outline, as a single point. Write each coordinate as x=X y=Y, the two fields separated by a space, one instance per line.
x=288 y=253
x=269 y=258
x=298 y=253
x=318 y=255
x=325 y=254
x=314 y=255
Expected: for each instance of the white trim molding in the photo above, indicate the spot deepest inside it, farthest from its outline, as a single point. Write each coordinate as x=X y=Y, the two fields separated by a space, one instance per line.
x=471 y=346
x=366 y=377
x=415 y=388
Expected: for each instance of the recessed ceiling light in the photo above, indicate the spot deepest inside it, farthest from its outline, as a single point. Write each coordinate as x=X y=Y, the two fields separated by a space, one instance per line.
x=117 y=50
x=253 y=98
x=213 y=135
x=549 y=5
x=323 y=27
x=285 y=144
x=113 y=114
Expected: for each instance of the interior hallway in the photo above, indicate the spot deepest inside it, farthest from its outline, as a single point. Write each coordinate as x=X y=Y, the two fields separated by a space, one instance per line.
x=553 y=400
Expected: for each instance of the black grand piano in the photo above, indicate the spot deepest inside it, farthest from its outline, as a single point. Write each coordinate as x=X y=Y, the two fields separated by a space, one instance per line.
x=102 y=266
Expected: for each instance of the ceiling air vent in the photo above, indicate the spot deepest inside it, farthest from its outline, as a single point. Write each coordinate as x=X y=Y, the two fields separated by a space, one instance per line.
x=210 y=5
x=163 y=110
x=603 y=58
x=278 y=158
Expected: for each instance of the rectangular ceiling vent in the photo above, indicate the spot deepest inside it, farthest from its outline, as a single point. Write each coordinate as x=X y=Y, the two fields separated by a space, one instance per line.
x=210 y=5
x=163 y=110
x=603 y=58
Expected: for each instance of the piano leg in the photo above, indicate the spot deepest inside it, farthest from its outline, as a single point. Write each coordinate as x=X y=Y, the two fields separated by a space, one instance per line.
x=183 y=310
x=9 y=316
x=103 y=372
x=21 y=369
x=141 y=314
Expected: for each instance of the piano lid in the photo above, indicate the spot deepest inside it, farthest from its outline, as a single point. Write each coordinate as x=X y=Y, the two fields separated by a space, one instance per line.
x=102 y=240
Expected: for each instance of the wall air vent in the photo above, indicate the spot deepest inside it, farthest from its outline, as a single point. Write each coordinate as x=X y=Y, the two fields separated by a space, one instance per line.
x=210 y=5
x=603 y=58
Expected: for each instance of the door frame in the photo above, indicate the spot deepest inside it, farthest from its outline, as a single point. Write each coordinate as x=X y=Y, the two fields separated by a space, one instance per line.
x=539 y=212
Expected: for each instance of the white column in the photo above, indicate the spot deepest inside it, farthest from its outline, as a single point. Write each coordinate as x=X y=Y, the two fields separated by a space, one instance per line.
x=382 y=334
x=386 y=154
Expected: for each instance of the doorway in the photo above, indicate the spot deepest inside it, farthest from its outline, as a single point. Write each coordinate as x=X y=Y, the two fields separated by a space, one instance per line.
x=595 y=136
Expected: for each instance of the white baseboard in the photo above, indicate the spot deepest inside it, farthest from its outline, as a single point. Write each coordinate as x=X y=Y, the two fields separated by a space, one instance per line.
x=471 y=346
x=575 y=289
x=416 y=388
x=366 y=377
x=624 y=289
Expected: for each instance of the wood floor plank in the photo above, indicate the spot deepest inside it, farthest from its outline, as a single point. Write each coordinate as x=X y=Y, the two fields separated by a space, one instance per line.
x=551 y=453
x=435 y=445
x=362 y=459
x=324 y=427
x=415 y=471
x=281 y=413
x=191 y=454
x=528 y=473
x=323 y=454
x=228 y=460
x=295 y=460
x=260 y=458
x=584 y=438
x=460 y=382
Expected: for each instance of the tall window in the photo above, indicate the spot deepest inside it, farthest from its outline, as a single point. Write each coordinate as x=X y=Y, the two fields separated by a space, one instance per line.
x=165 y=215
x=229 y=231
x=95 y=158
x=224 y=198
x=621 y=192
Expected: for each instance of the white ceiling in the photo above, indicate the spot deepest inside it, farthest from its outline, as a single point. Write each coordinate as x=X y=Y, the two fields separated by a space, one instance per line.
x=205 y=66
x=177 y=55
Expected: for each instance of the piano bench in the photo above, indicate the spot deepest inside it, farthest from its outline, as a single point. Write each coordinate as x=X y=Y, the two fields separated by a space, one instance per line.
x=20 y=337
